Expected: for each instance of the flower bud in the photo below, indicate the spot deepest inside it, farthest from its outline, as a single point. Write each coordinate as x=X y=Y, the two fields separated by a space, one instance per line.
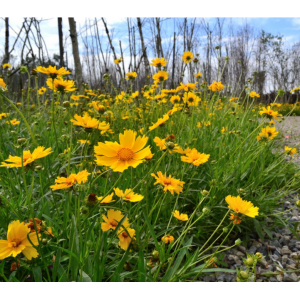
x=259 y=256
x=225 y=229
x=249 y=261
x=205 y=193
x=244 y=274
x=84 y=210
x=89 y=243
x=206 y=210
x=170 y=145
x=66 y=104
x=298 y=203
x=238 y=242
x=44 y=241
x=21 y=141
x=155 y=254
x=23 y=69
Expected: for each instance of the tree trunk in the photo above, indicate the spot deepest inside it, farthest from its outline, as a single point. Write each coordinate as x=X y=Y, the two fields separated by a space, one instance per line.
x=146 y=62
x=73 y=35
x=61 y=47
x=6 y=54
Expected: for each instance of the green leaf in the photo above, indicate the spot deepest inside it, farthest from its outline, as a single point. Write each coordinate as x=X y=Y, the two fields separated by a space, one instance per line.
x=37 y=274
x=258 y=229
x=179 y=259
x=74 y=248
x=118 y=270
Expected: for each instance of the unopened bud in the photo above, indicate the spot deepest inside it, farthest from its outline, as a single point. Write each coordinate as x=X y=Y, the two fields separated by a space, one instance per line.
x=23 y=69
x=66 y=104
x=249 y=261
x=244 y=274
x=238 y=242
x=170 y=145
x=21 y=141
x=205 y=193
x=206 y=210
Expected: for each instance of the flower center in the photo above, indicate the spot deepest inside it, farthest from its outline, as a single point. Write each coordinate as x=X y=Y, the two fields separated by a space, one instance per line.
x=167 y=181
x=113 y=223
x=191 y=99
x=15 y=243
x=125 y=154
x=70 y=181
x=124 y=234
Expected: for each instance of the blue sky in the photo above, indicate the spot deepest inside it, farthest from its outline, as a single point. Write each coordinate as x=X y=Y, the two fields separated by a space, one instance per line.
x=289 y=27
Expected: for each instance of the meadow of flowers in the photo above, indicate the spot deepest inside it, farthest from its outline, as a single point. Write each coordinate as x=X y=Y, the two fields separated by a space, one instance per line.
x=134 y=185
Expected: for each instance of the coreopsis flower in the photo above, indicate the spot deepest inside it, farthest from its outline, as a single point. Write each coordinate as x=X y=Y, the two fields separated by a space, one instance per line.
x=267 y=133
x=119 y=157
x=52 y=72
x=38 y=224
x=160 y=76
x=175 y=99
x=158 y=62
x=216 y=86
x=125 y=237
x=290 y=151
x=181 y=151
x=90 y=123
x=112 y=220
x=195 y=158
x=198 y=75
x=235 y=219
x=3 y=115
x=240 y=206
x=179 y=216
x=269 y=113
x=198 y=124
x=170 y=184
x=107 y=199
x=161 y=143
x=149 y=157
x=17 y=241
x=159 y=122
x=62 y=183
x=60 y=85
x=42 y=90
x=75 y=98
x=2 y=83
x=168 y=239
x=118 y=60
x=186 y=87
x=233 y=99
x=223 y=129
x=28 y=157
x=6 y=66
x=130 y=75
x=84 y=142
x=254 y=95
x=187 y=57
x=128 y=195
x=191 y=99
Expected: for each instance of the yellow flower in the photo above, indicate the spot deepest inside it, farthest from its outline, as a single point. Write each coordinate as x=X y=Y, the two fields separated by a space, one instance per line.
x=112 y=220
x=128 y=195
x=168 y=239
x=130 y=75
x=6 y=66
x=125 y=237
x=170 y=184
x=240 y=206
x=159 y=122
x=270 y=113
x=3 y=115
x=186 y=87
x=175 y=99
x=223 y=129
x=42 y=90
x=181 y=217
x=158 y=62
x=84 y=141
x=17 y=241
x=60 y=85
x=88 y=122
x=148 y=157
x=2 y=83
x=62 y=183
x=52 y=72
x=135 y=94
x=198 y=75
x=198 y=125
x=160 y=143
x=181 y=151
x=28 y=157
x=267 y=133
x=254 y=95
x=107 y=199
x=216 y=86
x=290 y=151
x=187 y=57
x=75 y=98
x=118 y=60
x=191 y=99
x=160 y=76
x=195 y=158
x=129 y=153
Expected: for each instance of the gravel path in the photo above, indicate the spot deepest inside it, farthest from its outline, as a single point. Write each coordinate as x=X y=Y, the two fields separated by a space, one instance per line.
x=282 y=252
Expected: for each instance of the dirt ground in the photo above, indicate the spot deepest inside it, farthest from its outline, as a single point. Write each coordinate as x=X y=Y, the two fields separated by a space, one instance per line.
x=289 y=129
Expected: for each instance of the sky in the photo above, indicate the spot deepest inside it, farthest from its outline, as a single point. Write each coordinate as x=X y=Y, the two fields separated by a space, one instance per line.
x=289 y=27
